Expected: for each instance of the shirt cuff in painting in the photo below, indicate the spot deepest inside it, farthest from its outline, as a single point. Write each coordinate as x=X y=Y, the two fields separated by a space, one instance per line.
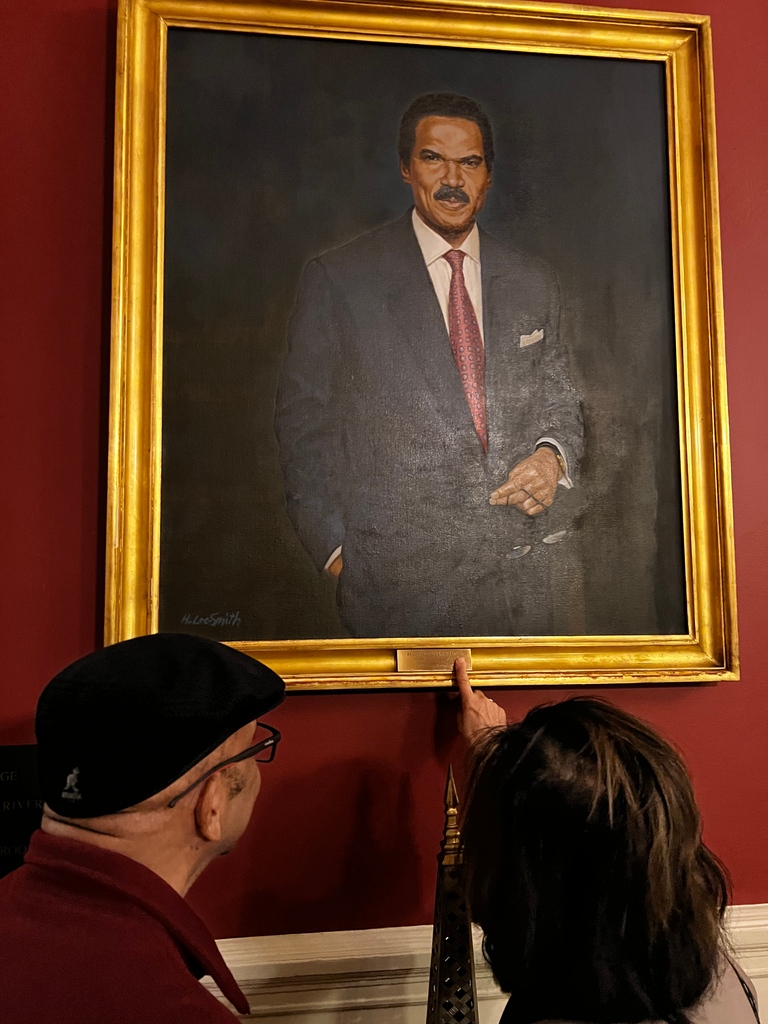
x=332 y=558
x=550 y=442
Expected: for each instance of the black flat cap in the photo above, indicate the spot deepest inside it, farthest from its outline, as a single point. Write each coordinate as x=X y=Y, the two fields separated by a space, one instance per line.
x=124 y=722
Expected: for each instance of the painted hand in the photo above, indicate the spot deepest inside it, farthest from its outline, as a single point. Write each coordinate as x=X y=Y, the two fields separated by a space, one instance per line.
x=336 y=566
x=531 y=484
x=478 y=712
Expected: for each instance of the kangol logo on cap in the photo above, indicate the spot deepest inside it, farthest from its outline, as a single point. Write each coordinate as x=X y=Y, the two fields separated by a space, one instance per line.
x=71 y=792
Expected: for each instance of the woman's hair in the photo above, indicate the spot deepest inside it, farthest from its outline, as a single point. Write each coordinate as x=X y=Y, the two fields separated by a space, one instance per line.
x=586 y=869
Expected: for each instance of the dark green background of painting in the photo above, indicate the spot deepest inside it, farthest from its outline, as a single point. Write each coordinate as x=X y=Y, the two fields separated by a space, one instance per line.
x=281 y=148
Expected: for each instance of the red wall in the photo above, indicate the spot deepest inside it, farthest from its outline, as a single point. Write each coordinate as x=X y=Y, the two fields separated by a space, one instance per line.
x=346 y=830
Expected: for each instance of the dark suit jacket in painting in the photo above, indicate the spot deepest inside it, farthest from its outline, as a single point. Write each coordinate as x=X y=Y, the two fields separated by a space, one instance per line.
x=378 y=448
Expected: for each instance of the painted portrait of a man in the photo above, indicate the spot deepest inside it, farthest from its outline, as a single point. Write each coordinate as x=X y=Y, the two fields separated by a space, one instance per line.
x=419 y=351
x=426 y=417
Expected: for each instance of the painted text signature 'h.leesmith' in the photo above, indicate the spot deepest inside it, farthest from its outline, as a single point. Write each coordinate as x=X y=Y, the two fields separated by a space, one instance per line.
x=212 y=619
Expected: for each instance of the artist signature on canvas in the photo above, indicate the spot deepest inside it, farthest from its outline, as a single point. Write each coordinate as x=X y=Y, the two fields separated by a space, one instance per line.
x=212 y=619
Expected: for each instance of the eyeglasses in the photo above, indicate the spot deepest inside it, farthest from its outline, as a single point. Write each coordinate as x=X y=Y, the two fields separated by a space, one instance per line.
x=265 y=747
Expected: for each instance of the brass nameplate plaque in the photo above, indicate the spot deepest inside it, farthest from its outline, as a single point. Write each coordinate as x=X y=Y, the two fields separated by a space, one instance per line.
x=432 y=659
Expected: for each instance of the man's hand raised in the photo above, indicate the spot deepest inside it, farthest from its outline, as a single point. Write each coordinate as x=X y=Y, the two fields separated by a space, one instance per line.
x=478 y=712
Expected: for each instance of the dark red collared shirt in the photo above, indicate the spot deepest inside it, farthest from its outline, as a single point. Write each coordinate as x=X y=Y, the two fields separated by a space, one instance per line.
x=92 y=937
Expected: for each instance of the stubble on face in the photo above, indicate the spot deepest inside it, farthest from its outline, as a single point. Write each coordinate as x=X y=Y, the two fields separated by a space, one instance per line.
x=448 y=175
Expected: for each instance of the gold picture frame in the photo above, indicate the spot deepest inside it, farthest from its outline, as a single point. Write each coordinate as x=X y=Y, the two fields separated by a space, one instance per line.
x=682 y=45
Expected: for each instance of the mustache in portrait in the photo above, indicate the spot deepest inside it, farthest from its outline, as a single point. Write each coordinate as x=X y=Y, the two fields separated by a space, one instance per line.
x=446 y=192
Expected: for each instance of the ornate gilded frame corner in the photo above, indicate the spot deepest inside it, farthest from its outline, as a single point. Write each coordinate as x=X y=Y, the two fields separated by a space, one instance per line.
x=683 y=44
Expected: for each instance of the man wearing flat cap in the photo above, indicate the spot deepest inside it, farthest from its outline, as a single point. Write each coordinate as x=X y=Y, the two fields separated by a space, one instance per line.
x=147 y=753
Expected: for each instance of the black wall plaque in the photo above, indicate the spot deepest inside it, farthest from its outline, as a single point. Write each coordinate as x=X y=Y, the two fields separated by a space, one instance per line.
x=21 y=805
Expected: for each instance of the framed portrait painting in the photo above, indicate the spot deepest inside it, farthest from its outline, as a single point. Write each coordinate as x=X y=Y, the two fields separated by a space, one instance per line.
x=417 y=341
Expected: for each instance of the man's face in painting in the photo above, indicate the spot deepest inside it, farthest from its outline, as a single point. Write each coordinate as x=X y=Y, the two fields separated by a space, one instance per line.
x=448 y=175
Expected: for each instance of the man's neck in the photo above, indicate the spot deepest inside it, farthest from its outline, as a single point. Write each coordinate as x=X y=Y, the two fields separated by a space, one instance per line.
x=177 y=863
x=451 y=237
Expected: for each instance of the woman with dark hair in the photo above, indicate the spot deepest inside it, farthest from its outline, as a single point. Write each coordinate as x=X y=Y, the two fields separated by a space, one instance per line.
x=587 y=872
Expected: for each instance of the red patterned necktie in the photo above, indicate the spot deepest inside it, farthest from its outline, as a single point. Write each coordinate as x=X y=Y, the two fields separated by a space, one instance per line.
x=467 y=344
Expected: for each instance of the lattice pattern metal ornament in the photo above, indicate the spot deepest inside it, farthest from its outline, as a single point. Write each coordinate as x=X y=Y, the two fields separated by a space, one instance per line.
x=452 y=970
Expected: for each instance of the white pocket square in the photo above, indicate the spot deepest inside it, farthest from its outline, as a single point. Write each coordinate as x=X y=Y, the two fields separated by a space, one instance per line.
x=531 y=339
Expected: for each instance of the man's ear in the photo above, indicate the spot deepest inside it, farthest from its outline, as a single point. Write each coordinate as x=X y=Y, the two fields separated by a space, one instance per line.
x=211 y=807
x=405 y=172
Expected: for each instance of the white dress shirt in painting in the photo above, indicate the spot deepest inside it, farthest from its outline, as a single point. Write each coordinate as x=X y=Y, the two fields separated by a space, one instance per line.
x=433 y=249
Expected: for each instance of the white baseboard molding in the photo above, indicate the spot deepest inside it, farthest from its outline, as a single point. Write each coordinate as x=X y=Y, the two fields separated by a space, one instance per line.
x=379 y=976
x=748 y=931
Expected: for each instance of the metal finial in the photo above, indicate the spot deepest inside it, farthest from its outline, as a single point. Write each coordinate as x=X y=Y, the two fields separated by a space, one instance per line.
x=452 y=992
x=451 y=798
x=450 y=848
